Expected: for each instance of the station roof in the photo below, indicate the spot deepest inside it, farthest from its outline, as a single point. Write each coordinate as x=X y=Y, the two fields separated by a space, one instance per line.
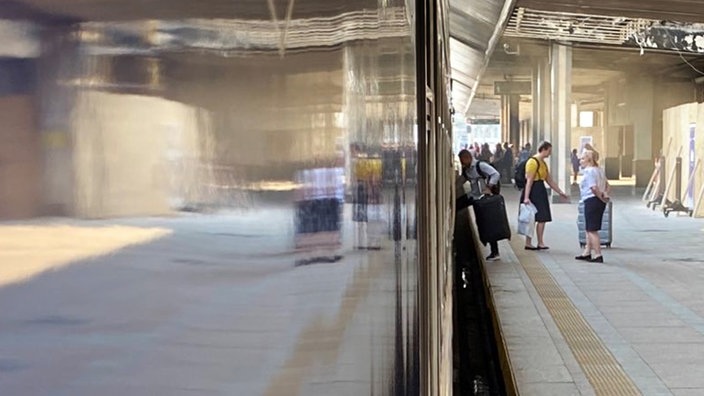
x=477 y=27
x=608 y=38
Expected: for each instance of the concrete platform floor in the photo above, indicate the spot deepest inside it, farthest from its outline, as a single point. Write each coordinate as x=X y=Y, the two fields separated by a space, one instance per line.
x=644 y=305
x=189 y=305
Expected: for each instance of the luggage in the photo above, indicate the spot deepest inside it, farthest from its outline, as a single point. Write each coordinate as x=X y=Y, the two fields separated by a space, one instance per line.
x=492 y=220
x=607 y=226
x=463 y=201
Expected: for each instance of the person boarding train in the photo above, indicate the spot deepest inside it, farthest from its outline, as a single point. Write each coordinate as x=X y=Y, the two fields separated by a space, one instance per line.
x=483 y=180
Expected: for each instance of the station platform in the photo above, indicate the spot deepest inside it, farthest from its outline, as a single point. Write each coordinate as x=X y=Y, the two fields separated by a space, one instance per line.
x=633 y=325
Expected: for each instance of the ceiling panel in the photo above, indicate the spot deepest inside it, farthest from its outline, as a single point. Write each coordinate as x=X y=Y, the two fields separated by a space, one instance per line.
x=619 y=31
x=672 y=10
x=473 y=21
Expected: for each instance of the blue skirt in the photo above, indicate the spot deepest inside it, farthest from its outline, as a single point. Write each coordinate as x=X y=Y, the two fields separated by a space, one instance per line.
x=593 y=213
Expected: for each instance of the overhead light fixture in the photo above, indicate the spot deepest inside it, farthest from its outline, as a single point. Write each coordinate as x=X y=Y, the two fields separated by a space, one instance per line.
x=510 y=51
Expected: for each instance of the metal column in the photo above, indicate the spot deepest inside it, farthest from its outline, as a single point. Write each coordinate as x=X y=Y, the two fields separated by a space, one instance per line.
x=561 y=94
x=514 y=124
x=510 y=122
x=542 y=109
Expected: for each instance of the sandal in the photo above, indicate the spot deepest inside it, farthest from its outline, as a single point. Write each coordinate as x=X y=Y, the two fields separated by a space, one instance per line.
x=543 y=248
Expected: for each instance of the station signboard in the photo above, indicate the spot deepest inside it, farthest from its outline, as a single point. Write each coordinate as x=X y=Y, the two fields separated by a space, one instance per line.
x=512 y=88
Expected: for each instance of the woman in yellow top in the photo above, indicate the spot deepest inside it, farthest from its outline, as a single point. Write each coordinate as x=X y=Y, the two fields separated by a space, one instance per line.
x=537 y=174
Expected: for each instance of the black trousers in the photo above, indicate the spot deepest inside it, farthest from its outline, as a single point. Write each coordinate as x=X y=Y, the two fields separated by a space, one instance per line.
x=494 y=247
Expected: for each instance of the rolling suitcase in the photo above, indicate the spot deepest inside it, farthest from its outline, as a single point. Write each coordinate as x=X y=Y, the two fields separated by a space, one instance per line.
x=607 y=226
x=492 y=220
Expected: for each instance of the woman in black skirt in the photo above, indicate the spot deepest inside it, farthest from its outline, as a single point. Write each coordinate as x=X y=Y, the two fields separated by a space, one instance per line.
x=594 y=192
x=537 y=174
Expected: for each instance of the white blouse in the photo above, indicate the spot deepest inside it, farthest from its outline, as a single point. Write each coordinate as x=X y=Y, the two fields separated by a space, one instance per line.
x=591 y=176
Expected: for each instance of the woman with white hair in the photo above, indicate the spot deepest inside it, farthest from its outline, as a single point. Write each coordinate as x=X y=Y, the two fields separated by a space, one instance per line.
x=594 y=191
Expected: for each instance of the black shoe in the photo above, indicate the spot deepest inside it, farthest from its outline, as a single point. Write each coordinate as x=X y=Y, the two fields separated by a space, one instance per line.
x=530 y=248
x=493 y=257
x=598 y=259
x=588 y=257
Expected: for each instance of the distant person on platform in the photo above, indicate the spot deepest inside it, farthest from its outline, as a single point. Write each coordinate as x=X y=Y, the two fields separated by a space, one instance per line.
x=524 y=154
x=498 y=156
x=508 y=162
x=485 y=153
x=574 y=158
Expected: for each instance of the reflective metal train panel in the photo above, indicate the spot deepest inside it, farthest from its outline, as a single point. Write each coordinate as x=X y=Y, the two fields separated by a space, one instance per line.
x=261 y=177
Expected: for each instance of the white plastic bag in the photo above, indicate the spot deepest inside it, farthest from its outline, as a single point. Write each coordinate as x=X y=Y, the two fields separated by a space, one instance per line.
x=467 y=186
x=526 y=219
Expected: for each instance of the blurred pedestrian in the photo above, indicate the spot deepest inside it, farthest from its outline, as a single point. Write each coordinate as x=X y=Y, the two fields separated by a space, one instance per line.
x=525 y=153
x=575 y=165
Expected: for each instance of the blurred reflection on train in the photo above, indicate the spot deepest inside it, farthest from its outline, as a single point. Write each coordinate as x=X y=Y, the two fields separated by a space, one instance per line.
x=318 y=204
x=377 y=194
x=366 y=199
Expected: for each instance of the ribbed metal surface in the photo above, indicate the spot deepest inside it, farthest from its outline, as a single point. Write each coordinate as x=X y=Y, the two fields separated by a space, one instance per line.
x=600 y=367
x=474 y=28
x=231 y=37
x=564 y=26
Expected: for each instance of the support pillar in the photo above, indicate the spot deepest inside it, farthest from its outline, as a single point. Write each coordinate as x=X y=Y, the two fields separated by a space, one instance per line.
x=514 y=132
x=505 y=118
x=641 y=102
x=58 y=65
x=542 y=108
x=561 y=94
x=510 y=122
x=537 y=101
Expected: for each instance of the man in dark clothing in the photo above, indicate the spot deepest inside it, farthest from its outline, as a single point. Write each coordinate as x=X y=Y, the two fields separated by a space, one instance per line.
x=507 y=164
x=482 y=179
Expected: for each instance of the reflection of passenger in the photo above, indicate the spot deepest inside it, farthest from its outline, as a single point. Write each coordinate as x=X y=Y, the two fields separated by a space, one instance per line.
x=366 y=198
x=318 y=210
x=359 y=200
x=360 y=215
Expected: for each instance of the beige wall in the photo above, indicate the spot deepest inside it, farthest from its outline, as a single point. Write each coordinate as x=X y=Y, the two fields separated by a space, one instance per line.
x=699 y=176
x=19 y=159
x=133 y=155
x=270 y=115
x=676 y=126
x=597 y=134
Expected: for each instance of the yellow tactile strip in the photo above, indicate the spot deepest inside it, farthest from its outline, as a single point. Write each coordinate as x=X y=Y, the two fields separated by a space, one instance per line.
x=600 y=367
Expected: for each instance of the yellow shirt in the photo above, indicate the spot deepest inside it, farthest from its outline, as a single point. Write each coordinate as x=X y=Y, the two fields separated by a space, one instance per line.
x=532 y=167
